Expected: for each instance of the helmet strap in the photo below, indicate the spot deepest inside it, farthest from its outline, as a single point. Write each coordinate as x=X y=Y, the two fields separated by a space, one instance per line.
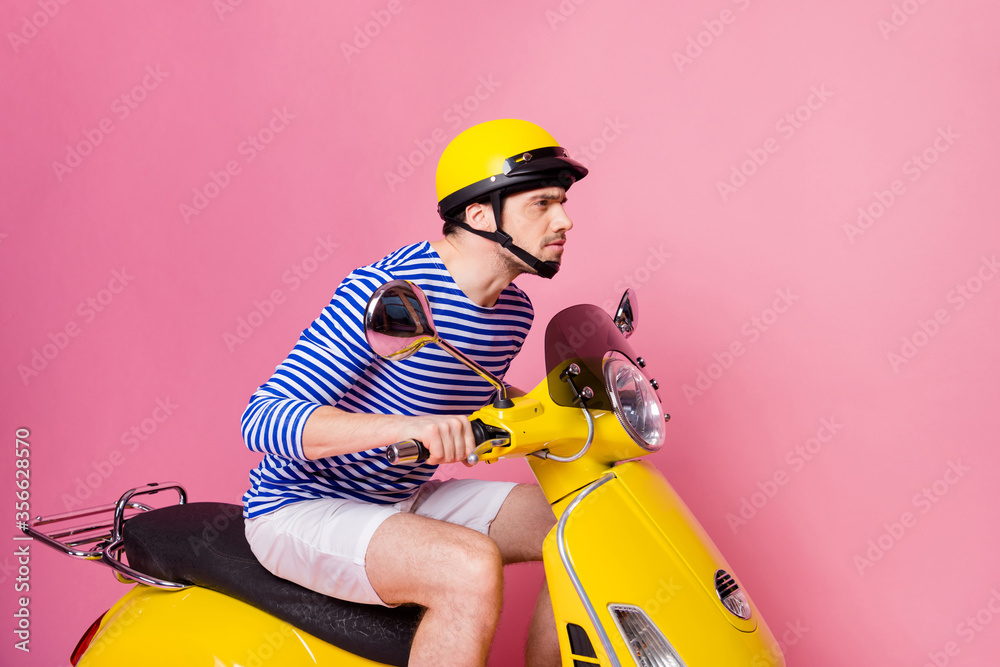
x=542 y=268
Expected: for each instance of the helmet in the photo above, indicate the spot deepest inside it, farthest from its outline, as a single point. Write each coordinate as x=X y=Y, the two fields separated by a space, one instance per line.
x=497 y=158
x=505 y=154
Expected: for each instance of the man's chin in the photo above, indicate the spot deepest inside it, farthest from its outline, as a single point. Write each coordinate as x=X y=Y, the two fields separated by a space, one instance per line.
x=552 y=254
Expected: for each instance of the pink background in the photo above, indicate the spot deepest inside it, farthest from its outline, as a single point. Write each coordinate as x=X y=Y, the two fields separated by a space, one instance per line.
x=659 y=134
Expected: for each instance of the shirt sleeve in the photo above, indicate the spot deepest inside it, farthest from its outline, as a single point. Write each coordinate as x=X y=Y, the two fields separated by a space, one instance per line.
x=329 y=357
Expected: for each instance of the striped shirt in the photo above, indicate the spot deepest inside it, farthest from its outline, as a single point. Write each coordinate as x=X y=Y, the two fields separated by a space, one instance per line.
x=332 y=364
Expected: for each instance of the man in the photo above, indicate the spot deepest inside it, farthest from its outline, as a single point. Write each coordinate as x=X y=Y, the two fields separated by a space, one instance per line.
x=324 y=508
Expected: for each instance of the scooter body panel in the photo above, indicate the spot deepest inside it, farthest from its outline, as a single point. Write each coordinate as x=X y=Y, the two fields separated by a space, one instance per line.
x=632 y=541
x=198 y=627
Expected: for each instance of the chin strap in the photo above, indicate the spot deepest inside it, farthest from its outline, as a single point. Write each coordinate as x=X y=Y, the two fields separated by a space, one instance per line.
x=543 y=268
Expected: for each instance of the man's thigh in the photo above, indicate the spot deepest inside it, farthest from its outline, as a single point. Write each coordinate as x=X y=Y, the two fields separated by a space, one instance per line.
x=522 y=524
x=324 y=544
x=413 y=558
x=442 y=538
x=516 y=516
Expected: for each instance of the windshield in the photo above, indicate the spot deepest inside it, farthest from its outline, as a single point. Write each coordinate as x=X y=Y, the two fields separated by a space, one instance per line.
x=582 y=335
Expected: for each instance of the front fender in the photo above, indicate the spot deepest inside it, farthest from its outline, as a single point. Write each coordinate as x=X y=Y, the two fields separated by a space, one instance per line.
x=633 y=541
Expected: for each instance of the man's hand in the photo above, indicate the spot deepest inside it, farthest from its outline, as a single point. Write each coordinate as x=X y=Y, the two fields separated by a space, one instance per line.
x=448 y=438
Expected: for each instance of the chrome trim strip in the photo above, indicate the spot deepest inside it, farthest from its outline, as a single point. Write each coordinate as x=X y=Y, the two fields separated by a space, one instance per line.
x=571 y=571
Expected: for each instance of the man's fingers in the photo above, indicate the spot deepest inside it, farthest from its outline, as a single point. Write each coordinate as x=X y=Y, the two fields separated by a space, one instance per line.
x=448 y=438
x=470 y=439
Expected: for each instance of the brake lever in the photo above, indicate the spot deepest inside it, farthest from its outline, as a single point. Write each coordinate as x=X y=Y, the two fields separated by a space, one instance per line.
x=481 y=449
x=488 y=437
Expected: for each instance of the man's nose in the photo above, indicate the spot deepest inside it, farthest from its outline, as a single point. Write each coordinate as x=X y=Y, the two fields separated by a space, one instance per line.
x=561 y=221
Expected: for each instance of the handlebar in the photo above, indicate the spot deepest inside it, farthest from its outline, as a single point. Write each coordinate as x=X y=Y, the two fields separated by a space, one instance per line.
x=413 y=451
x=407 y=451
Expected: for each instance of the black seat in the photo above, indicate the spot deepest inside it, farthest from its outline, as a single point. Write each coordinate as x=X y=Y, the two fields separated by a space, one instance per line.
x=204 y=544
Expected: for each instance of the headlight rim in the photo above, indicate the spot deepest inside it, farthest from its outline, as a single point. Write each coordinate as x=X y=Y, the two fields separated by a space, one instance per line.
x=614 y=359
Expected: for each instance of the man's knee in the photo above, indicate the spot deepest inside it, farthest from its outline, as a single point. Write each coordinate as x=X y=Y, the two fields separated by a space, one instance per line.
x=474 y=567
x=433 y=563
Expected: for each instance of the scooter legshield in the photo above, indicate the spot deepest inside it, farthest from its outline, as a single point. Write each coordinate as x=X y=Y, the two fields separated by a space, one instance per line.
x=197 y=626
x=632 y=541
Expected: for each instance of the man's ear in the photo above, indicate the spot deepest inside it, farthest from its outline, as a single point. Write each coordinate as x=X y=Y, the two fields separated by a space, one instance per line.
x=479 y=215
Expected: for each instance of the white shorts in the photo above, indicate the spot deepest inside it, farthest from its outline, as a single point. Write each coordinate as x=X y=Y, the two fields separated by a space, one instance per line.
x=321 y=544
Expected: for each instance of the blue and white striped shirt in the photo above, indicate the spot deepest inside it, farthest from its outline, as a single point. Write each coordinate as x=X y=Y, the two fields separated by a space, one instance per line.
x=332 y=364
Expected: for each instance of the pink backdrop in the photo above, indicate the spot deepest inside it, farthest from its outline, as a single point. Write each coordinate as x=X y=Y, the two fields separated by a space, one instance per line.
x=800 y=193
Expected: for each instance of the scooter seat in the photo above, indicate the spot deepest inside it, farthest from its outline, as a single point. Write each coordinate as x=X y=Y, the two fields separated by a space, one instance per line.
x=204 y=544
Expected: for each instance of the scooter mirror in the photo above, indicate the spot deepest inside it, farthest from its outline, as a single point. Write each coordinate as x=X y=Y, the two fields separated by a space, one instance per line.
x=398 y=323
x=628 y=313
x=398 y=320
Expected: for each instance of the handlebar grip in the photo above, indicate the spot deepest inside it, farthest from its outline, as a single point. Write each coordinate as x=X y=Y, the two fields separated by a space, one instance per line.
x=413 y=451
x=407 y=451
x=479 y=431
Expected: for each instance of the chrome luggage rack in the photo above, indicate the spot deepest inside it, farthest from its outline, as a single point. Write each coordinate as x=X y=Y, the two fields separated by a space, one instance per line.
x=106 y=538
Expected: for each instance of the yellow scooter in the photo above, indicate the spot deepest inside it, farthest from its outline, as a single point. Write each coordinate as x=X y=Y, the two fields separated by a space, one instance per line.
x=633 y=578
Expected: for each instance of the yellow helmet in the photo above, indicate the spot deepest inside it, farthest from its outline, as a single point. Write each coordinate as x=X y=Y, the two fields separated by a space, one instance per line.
x=500 y=156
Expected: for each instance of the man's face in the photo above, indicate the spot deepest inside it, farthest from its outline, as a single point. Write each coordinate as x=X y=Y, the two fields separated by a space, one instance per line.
x=537 y=222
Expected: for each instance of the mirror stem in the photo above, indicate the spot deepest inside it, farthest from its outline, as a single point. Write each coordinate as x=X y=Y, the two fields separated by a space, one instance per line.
x=502 y=400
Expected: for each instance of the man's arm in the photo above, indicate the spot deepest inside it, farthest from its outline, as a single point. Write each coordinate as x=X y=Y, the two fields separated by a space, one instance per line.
x=293 y=407
x=293 y=414
x=330 y=431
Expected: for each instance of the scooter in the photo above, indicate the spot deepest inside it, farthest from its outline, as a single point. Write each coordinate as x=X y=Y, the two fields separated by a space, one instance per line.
x=633 y=577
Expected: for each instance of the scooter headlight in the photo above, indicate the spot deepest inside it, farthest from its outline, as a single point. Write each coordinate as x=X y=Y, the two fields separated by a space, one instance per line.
x=635 y=402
